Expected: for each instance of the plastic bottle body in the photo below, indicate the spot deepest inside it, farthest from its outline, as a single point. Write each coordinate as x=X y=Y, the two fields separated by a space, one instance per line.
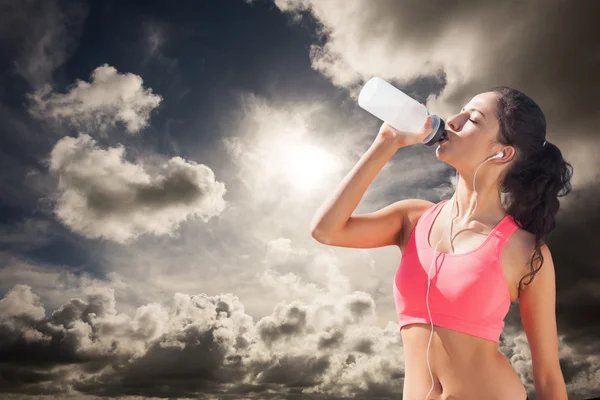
x=399 y=110
x=391 y=105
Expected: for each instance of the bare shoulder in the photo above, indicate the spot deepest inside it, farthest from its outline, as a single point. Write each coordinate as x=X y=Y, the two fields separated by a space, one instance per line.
x=516 y=256
x=411 y=211
x=522 y=243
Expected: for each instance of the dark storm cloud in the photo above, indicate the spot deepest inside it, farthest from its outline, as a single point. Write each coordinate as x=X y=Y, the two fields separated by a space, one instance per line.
x=202 y=344
x=39 y=35
x=546 y=49
x=578 y=270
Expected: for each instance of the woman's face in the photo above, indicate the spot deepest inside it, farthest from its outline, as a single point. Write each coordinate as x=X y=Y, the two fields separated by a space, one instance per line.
x=472 y=133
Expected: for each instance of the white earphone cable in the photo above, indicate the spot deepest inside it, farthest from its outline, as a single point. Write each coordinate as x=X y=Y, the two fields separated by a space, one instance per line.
x=449 y=224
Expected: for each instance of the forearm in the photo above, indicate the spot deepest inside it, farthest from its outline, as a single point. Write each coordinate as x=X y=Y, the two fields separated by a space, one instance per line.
x=338 y=208
x=554 y=389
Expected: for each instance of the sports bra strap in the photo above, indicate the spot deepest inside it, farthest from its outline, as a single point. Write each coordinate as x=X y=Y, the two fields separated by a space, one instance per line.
x=432 y=211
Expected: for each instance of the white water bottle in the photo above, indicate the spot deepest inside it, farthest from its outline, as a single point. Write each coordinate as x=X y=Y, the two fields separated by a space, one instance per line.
x=399 y=110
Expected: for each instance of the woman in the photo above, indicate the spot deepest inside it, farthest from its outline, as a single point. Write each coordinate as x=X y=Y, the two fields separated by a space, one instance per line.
x=451 y=299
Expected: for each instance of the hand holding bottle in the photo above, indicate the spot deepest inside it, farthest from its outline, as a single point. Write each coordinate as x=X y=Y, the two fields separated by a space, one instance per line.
x=403 y=139
x=406 y=121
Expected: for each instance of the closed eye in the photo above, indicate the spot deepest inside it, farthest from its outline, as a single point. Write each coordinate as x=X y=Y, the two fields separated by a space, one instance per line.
x=472 y=121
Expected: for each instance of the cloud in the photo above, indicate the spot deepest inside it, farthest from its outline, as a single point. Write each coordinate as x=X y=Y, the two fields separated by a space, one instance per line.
x=26 y=234
x=297 y=273
x=102 y=195
x=199 y=343
x=209 y=344
x=155 y=40
x=469 y=49
x=21 y=302
x=55 y=285
x=40 y=35
x=108 y=98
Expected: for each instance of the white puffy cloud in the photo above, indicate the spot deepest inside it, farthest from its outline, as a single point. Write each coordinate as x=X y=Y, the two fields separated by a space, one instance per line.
x=102 y=195
x=108 y=98
x=21 y=301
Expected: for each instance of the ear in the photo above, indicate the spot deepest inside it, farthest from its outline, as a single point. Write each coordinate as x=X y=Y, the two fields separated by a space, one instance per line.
x=509 y=153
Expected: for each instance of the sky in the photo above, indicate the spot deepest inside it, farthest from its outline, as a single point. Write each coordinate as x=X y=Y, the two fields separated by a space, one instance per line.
x=161 y=163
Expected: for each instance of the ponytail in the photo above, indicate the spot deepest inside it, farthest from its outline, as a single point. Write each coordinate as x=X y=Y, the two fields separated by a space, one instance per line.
x=539 y=174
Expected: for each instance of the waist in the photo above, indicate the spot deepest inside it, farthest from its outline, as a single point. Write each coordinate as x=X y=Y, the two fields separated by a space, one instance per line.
x=462 y=366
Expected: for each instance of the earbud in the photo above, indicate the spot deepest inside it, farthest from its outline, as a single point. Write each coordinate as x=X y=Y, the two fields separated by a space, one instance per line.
x=497 y=155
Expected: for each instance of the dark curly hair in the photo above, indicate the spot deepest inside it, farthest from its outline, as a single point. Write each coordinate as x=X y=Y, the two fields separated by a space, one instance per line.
x=539 y=174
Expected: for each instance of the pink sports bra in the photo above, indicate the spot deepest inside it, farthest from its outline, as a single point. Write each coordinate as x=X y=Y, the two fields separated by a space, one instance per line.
x=468 y=291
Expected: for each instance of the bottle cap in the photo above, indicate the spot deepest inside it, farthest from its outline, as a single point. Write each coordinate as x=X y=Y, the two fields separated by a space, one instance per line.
x=439 y=131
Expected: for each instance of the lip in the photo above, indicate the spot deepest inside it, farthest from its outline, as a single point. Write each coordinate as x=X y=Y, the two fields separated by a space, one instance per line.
x=446 y=137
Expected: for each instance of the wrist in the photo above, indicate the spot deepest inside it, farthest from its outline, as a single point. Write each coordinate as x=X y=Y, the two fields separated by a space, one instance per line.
x=389 y=142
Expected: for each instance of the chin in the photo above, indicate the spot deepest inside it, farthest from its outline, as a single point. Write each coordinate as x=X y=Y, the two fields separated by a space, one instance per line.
x=441 y=153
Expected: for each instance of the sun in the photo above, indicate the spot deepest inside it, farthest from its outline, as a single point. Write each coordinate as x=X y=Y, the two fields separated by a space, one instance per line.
x=305 y=165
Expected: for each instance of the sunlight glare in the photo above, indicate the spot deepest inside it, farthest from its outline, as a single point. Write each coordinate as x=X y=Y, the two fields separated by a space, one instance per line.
x=306 y=165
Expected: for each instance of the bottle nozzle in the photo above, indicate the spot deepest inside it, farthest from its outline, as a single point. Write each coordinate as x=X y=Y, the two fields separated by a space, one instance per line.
x=438 y=133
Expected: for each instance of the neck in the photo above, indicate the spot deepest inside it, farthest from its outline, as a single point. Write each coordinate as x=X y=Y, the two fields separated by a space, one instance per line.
x=486 y=202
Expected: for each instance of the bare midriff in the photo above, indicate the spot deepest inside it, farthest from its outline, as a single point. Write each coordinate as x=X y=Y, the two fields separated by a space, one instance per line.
x=464 y=367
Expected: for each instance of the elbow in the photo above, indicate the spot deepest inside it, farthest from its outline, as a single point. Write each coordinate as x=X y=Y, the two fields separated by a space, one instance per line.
x=317 y=234
x=314 y=228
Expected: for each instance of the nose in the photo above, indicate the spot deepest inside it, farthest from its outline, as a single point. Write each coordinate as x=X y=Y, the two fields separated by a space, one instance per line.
x=456 y=122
